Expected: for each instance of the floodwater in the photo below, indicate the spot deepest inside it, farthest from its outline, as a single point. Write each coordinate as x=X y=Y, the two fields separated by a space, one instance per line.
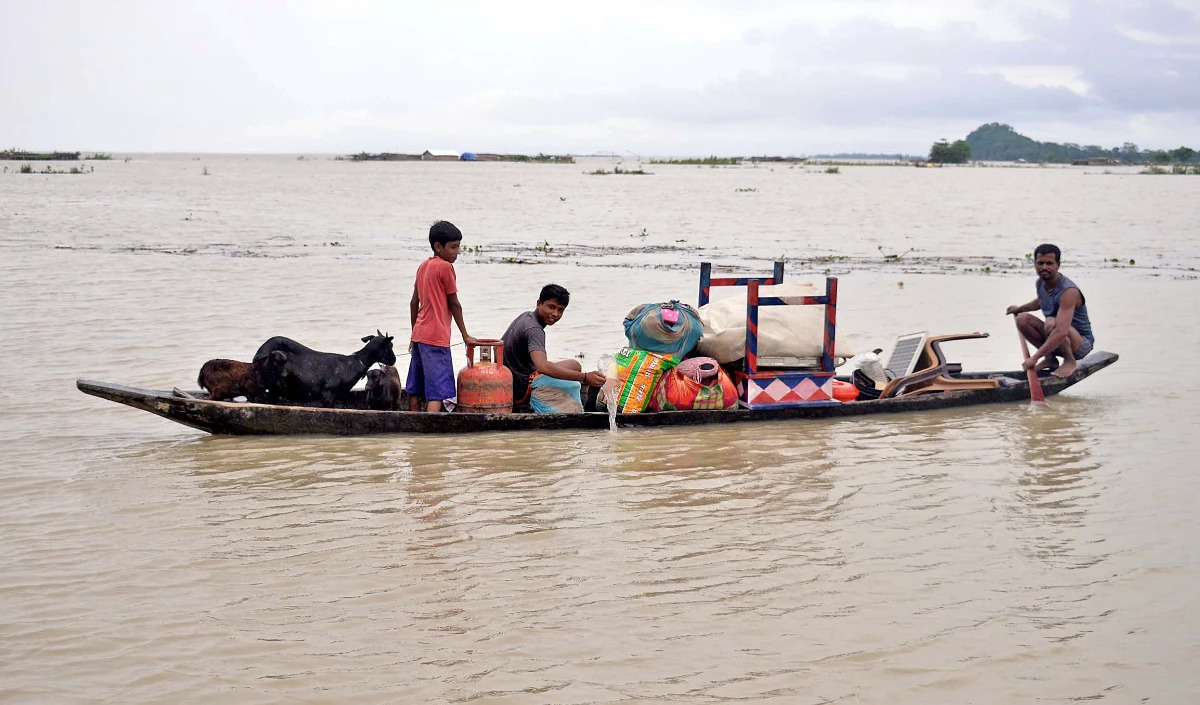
x=996 y=554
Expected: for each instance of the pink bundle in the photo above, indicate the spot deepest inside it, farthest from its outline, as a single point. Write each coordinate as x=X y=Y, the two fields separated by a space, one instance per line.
x=699 y=369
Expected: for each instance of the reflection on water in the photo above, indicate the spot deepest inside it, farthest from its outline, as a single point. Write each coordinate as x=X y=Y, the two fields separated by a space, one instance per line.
x=1055 y=478
x=1056 y=487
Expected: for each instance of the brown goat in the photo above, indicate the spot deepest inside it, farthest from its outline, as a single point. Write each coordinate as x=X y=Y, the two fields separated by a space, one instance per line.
x=226 y=379
x=383 y=389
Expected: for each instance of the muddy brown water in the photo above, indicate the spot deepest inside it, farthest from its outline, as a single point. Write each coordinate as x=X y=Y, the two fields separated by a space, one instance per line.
x=994 y=554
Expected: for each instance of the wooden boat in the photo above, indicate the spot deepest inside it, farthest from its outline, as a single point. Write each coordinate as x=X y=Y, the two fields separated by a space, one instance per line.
x=220 y=417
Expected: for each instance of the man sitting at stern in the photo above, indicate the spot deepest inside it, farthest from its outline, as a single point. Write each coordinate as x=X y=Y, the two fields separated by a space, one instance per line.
x=539 y=383
x=1067 y=331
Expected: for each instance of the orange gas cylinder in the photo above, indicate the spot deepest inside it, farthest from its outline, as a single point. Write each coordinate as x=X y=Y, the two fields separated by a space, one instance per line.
x=844 y=391
x=485 y=387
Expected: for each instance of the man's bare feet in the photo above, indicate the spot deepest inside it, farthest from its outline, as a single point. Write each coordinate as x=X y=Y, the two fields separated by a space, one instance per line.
x=1047 y=363
x=1066 y=369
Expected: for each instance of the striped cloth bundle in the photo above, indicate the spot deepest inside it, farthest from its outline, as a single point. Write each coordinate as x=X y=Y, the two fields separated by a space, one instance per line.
x=671 y=329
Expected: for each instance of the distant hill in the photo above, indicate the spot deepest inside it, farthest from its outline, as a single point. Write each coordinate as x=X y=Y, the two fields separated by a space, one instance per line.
x=1001 y=143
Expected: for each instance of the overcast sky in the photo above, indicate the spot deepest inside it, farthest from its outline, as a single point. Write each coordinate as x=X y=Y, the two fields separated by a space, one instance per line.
x=652 y=78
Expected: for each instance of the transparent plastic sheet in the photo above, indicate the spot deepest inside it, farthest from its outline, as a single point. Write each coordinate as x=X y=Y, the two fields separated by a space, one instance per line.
x=607 y=366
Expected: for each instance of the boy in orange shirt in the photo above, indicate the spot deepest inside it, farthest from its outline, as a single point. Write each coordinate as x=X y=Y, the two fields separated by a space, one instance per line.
x=434 y=302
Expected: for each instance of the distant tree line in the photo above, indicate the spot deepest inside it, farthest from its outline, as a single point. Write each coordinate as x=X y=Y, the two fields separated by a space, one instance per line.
x=1001 y=143
x=17 y=154
x=956 y=152
x=874 y=156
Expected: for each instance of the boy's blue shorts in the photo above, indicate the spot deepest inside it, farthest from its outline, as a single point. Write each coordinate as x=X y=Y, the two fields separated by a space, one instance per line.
x=431 y=373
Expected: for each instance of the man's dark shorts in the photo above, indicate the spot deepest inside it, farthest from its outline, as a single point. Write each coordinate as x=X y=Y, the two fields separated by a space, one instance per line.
x=430 y=373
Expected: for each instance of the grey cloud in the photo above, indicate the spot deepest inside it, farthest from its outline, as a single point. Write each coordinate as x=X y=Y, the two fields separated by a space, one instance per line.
x=834 y=97
x=819 y=78
x=187 y=76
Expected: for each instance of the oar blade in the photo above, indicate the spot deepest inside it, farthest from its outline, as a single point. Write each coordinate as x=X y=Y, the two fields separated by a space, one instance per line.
x=1036 y=394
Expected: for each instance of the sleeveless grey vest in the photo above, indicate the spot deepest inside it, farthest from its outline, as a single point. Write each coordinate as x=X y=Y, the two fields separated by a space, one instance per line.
x=1050 y=299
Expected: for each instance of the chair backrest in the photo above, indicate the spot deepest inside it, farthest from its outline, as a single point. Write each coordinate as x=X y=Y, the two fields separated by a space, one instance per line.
x=905 y=352
x=753 y=301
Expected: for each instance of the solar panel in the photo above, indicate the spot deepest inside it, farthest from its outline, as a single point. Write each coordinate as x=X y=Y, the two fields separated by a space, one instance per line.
x=905 y=353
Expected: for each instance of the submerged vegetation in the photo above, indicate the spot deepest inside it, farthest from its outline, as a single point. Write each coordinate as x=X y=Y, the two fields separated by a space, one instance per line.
x=28 y=169
x=830 y=162
x=618 y=170
x=712 y=160
x=538 y=158
x=1175 y=169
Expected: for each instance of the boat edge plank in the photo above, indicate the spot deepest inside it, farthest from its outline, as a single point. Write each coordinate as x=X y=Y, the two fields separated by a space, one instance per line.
x=233 y=418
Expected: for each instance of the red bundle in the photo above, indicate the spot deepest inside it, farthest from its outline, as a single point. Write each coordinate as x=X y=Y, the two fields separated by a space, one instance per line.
x=697 y=383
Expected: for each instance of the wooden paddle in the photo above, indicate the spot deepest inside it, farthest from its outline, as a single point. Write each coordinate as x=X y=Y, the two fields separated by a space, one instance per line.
x=1036 y=396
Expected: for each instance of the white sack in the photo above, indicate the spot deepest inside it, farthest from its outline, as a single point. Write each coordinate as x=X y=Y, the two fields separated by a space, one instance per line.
x=783 y=331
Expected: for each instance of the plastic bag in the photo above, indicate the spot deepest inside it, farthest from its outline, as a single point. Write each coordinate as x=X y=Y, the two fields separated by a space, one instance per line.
x=607 y=366
x=639 y=372
x=871 y=366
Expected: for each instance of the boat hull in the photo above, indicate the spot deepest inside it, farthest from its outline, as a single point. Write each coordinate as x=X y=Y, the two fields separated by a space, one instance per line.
x=233 y=418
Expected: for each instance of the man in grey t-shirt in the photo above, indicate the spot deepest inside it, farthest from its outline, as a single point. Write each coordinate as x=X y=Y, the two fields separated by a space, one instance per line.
x=1067 y=330
x=525 y=346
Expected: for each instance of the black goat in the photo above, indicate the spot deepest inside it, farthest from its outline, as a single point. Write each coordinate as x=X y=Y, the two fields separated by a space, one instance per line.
x=309 y=375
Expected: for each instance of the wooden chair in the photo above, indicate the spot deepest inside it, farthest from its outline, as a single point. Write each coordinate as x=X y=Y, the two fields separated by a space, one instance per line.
x=933 y=374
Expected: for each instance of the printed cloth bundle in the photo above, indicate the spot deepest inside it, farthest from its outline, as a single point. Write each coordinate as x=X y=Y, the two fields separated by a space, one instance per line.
x=697 y=383
x=548 y=395
x=639 y=372
x=671 y=329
